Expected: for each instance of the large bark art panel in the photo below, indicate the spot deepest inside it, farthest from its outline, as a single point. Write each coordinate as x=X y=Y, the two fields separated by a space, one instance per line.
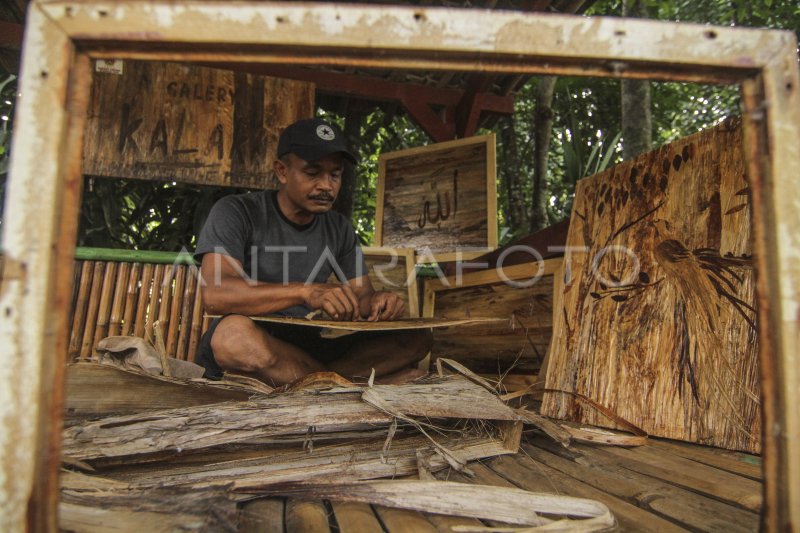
x=654 y=311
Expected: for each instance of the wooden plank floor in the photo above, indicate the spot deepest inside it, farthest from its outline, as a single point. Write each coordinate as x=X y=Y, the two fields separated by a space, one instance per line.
x=664 y=486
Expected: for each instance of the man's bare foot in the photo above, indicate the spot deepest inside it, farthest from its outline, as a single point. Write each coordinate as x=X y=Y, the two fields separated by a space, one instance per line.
x=401 y=376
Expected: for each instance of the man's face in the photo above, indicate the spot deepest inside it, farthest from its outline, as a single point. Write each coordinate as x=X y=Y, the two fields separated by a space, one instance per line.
x=310 y=186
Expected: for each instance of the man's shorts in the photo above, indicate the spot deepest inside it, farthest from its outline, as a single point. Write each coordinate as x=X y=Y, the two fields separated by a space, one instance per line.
x=307 y=338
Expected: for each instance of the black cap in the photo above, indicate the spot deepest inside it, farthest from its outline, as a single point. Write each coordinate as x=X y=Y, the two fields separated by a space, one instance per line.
x=312 y=139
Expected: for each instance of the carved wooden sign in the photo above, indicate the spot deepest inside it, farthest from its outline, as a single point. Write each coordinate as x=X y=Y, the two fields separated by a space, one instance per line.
x=654 y=313
x=439 y=198
x=176 y=122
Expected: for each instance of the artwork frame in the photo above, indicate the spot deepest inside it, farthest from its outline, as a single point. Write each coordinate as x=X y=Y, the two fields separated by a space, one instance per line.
x=405 y=174
x=61 y=37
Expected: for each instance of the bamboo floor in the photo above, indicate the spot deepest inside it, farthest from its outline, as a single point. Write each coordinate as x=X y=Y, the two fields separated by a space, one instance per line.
x=663 y=486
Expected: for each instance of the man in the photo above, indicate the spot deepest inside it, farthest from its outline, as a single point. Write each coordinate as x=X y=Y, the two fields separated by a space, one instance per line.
x=273 y=252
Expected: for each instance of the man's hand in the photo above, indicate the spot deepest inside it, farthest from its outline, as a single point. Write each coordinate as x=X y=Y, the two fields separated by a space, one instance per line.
x=339 y=301
x=385 y=306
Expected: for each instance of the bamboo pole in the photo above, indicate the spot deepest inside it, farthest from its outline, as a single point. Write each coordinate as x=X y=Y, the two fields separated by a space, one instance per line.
x=404 y=520
x=91 y=312
x=131 y=300
x=186 y=315
x=140 y=321
x=153 y=301
x=104 y=309
x=133 y=256
x=79 y=315
x=206 y=323
x=352 y=517
x=163 y=291
x=158 y=331
x=264 y=515
x=120 y=292
x=77 y=272
x=197 y=322
x=306 y=517
x=174 y=324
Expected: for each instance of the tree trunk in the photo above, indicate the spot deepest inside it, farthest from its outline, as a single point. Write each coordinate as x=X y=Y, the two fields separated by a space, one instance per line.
x=542 y=133
x=352 y=132
x=516 y=214
x=635 y=94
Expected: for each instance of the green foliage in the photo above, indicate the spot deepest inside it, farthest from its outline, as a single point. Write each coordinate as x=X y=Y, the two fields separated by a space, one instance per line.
x=584 y=155
x=144 y=215
x=585 y=141
x=680 y=109
x=8 y=90
x=379 y=133
x=8 y=98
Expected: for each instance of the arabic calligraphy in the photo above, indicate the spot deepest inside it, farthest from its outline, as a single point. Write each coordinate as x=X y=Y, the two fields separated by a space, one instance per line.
x=443 y=208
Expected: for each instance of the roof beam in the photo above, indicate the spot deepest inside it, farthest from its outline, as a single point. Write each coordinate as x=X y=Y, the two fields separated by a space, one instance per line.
x=371 y=87
x=437 y=129
x=462 y=108
x=10 y=34
x=468 y=110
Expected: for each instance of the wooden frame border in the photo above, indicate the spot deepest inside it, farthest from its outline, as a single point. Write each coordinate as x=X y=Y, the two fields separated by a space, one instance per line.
x=483 y=277
x=515 y=273
x=44 y=184
x=407 y=255
x=491 y=195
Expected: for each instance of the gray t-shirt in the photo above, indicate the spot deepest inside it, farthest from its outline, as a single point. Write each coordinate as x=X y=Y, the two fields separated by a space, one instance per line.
x=251 y=229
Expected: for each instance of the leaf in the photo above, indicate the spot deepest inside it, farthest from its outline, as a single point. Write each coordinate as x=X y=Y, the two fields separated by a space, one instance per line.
x=644 y=277
x=610 y=151
x=619 y=298
x=593 y=156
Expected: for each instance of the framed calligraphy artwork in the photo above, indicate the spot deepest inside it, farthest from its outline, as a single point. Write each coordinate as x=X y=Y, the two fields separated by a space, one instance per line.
x=440 y=199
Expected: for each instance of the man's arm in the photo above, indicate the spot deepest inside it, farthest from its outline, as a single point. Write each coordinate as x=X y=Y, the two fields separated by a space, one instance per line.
x=376 y=305
x=227 y=291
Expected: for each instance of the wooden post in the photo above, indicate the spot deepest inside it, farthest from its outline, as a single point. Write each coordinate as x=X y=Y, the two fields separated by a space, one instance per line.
x=771 y=121
x=39 y=238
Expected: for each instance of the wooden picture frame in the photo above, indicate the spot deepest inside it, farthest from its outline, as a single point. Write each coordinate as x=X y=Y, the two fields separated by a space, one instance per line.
x=44 y=187
x=393 y=270
x=419 y=188
x=523 y=291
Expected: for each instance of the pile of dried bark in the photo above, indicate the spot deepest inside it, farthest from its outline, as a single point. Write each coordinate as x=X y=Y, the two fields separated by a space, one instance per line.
x=187 y=465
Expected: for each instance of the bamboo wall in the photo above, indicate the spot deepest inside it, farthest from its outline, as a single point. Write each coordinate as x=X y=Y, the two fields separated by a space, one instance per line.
x=662 y=329
x=119 y=298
